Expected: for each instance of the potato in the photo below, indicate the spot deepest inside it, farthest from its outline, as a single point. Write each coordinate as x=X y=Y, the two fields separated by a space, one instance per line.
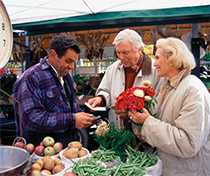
x=45 y=172
x=75 y=144
x=49 y=163
x=82 y=152
x=36 y=166
x=71 y=153
x=40 y=162
x=58 y=168
x=45 y=158
x=57 y=161
x=35 y=173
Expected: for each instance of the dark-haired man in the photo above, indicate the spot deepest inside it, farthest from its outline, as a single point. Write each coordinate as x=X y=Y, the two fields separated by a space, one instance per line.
x=44 y=96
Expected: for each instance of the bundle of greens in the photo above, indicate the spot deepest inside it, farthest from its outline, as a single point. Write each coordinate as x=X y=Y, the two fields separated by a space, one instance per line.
x=116 y=140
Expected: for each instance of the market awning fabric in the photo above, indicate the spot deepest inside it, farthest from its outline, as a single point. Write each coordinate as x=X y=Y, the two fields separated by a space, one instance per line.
x=43 y=16
x=119 y=19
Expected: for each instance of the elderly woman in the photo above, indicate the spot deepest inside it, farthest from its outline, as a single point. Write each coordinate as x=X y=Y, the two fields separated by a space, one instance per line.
x=181 y=131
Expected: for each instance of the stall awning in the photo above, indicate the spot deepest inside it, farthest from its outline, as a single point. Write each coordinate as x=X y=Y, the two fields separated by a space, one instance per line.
x=119 y=19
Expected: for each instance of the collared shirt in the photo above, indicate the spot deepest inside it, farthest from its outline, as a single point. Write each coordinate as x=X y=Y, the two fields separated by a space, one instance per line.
x=42 y=105
x=60 y=78
x=131 y=73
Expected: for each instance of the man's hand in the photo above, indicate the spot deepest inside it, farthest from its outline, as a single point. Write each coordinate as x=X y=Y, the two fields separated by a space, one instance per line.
x=139 y=117
x=83 y=120
x=96 y=101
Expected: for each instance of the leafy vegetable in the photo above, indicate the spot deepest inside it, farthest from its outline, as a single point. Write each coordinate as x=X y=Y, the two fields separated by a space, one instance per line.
x=117 y=140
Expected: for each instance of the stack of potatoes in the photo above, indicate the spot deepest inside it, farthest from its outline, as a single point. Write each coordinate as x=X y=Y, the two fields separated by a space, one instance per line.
x=75 y=150
x=47 y=166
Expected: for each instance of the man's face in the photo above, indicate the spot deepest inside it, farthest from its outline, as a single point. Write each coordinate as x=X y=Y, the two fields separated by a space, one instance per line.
x=127 y=53
x=67 y=62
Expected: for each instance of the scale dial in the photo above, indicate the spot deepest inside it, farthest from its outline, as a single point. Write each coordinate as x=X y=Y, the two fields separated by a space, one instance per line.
x=6 y=36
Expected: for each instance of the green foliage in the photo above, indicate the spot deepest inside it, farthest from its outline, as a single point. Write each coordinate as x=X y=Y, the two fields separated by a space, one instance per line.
x=117 y=140
x=150 y=105
x=6 y=83
x=207 y=56
x=80 y=81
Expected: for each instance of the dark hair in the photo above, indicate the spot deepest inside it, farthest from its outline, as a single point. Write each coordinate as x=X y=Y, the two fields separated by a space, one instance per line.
x=61 y=43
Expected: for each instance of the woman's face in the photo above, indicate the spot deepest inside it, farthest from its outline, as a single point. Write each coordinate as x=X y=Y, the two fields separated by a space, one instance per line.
x=162 y=64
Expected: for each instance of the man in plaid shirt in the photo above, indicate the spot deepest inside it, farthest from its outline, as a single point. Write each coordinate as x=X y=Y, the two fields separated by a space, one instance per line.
x=44 y=95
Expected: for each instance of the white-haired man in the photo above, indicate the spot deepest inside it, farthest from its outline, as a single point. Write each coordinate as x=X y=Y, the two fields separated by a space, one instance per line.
x=131 y=68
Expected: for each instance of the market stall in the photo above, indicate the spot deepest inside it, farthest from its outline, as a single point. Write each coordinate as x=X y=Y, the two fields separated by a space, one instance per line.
x=114 y=155
x=118 y=157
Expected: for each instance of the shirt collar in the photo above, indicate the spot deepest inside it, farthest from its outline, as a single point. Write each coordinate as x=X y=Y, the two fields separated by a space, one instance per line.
x=60 y=78
x=120 y=66
x=54 y=69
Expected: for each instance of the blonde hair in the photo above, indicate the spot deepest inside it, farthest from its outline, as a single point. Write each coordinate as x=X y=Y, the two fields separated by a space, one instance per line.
x=177 y=53
x=130 y=35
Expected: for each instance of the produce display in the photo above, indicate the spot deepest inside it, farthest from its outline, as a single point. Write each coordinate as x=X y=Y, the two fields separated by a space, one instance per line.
x=114 y=139
x=116 y=155
x=74 y=152
x=106 y=162
x=21 y=143
x=47 y=166
x=48 y=147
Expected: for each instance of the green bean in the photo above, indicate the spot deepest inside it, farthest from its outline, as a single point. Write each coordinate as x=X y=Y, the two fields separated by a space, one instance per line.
x=115 y=174
x=97 y=165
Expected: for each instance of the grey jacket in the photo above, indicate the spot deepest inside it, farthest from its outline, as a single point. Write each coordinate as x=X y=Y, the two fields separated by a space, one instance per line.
x=182 y=133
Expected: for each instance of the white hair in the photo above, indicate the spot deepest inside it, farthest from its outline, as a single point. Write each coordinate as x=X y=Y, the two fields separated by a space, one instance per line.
x=177 y=52
x=130 y=35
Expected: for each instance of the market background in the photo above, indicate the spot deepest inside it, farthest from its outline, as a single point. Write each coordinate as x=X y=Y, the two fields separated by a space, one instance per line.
x=94 y=23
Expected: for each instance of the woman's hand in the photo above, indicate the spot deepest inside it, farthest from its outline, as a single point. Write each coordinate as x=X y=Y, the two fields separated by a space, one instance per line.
x=122 y=114
x=139 y=117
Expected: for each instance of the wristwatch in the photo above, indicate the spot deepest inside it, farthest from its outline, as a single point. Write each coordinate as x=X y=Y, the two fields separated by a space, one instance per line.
x=6 y=36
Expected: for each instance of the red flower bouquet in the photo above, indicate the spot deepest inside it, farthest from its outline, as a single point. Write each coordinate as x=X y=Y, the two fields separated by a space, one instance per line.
x=136 y=98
